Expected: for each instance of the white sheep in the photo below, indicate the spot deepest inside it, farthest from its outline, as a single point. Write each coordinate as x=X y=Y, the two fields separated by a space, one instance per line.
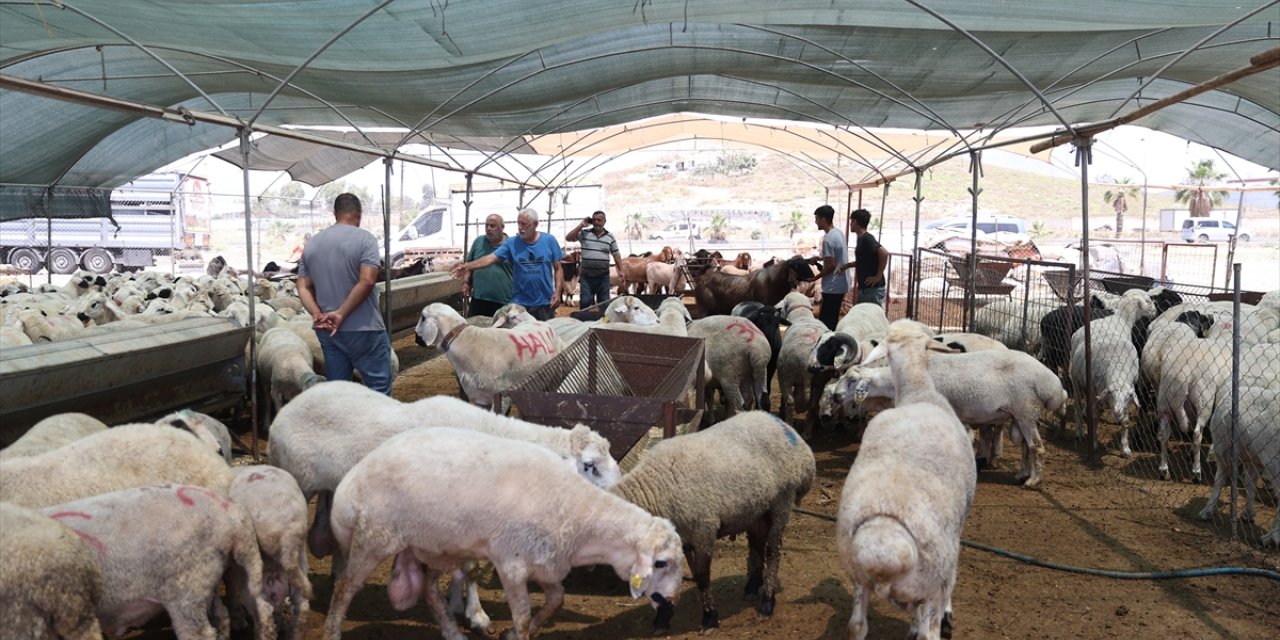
x=970 y=342
x=672 y=320
x=851 y=341
x=984 y=388
x=279 y=513
x=1003 y=321
x=864 y=321
x=737 y=354
x=1191 y=375
x=1115 y=361
x=441 y=496
x=12 y=336
x=50 y=583
x=175 y=563
x=50 y=433
x=285 y=369
x=794 y=377
x=743 y=475
x=667 y=278
x=907 y=496
x=629 y=310
x=487 y=360
x=118 y=458
x=1256 y=444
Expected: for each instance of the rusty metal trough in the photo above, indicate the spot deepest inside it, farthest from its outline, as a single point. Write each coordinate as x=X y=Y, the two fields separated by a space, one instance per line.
x=621 y=384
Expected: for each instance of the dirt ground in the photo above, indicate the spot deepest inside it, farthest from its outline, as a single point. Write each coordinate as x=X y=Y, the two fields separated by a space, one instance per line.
x=1082 y=516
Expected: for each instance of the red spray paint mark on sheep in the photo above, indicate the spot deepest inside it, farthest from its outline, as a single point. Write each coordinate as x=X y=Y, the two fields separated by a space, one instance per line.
x=533 y=343
x=744 y=328
x=186 y=489
x=91 y=540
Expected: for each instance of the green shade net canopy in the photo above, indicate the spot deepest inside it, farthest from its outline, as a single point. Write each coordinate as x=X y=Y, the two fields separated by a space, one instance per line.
x=512 y=76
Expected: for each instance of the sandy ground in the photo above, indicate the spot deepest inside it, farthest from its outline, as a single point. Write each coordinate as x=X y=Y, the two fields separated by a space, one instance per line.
x=1102 y=516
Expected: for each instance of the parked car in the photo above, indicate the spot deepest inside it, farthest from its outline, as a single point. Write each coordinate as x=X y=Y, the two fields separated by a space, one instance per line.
x=999 y=228
x=1209 y=230
x=677 y=231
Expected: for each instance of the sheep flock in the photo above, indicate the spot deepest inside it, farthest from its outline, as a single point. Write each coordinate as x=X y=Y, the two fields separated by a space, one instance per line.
x=105 y=527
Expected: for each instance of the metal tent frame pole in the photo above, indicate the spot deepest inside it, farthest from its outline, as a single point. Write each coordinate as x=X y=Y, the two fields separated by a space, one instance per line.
x=251 y=373
x=915 y=248
x=1084 y=156
x=972 y=277
x=386 y=244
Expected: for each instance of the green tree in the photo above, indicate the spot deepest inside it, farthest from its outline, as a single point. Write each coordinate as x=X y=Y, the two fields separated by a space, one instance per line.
x=635 y=226
x=794 y=223
x=719 y=226
x=1199 y=199
x=1118 y=197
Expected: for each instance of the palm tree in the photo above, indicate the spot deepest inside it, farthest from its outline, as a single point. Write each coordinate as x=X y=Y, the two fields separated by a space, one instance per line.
x=1199 y=200
x=635 y=226
x=1118 y=198
x=794 y=223
x=719 y=223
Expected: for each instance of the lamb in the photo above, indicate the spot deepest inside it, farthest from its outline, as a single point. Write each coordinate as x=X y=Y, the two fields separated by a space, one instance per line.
x=1257 y=444
x=738 y=356
x=50 y=583
x=667 y=278
x=629 y=310
x=318 y=449
x=741 y=476
x=118 y=458
x=285 y=369
x=1003 y=321
x=487 y=360
x=13 y=336
x=907 y=496
x=793 y=358
x=983 y=388
x=1190 y=379
x=478 y=506
x=53 y=432
x=766 y=318
x=673 y=320
x=1115 y=361
x=40 y=326
x=175 y=563
x=279 y=513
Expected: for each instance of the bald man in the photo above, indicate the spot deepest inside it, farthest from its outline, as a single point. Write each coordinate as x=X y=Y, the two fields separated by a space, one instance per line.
x=488 y=288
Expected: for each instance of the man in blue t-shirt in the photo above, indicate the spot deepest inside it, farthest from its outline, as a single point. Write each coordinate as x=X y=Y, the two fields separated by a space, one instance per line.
x=337 y=284
x=535 y=260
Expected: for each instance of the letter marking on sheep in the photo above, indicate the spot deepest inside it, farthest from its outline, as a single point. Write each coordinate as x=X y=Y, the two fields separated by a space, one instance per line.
x=185 y=489
x=90 y=540
x=533 y=343
x=744 y=328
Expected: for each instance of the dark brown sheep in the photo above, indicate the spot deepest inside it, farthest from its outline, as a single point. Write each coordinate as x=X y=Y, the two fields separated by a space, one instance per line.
x=717 y=292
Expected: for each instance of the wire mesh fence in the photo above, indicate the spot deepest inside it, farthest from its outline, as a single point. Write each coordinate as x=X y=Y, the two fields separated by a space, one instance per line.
x=1168 y=381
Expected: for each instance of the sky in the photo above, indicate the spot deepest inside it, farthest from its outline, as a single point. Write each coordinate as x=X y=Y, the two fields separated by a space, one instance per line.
x=1124 y=152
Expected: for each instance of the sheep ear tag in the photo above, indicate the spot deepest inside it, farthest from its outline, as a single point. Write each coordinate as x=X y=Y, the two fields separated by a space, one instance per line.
x=837 y=360
x=637 y=581
x=861 y=391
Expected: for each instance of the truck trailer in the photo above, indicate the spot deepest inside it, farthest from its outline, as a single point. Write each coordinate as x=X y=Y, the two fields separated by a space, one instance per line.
x=157 y=214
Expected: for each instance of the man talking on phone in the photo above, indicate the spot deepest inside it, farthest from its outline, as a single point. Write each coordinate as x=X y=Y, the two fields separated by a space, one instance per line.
x=597 y=245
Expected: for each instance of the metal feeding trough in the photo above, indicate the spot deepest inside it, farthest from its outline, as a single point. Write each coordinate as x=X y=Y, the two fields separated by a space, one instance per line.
x=619 y=383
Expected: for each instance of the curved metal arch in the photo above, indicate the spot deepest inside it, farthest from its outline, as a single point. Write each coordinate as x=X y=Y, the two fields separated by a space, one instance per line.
x=243 y=68
x=514 y=59
x=1074 y=88
x=328 y=43
x=670 y=100
x=645 y=126
x=938 y=117
x=143 y=48
x=1195 y=47
x=877 y=143
x=571 y=63
x=998 y=58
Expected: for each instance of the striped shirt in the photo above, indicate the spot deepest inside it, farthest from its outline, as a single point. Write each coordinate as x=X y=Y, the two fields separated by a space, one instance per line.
x=597 y=251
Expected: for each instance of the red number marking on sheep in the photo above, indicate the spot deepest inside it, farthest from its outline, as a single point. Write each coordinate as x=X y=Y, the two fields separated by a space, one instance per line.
x=256 y=476
x=90 y=540
x=185 y=489
x=744 y=328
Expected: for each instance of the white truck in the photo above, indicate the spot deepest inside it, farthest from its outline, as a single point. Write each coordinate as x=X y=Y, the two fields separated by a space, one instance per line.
x=158 y=214
x=438 y=230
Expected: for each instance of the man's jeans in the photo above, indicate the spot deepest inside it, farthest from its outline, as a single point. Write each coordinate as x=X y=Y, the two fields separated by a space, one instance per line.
x=873 y=295
x=595 y=290
x=368 y=352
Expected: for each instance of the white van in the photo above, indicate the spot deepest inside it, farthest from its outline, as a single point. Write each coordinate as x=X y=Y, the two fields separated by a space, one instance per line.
x=1001 y=228
x=677 y=231
x=1209 y=230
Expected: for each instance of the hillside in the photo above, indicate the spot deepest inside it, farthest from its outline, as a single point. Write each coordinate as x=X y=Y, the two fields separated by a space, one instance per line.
x=777 y=184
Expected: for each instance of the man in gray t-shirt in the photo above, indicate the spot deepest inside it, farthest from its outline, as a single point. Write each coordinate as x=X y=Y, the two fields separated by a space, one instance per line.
x=835 y=252
x=337 y=282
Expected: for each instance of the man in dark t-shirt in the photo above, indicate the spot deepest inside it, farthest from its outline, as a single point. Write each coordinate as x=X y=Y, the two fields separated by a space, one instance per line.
x=869 y=260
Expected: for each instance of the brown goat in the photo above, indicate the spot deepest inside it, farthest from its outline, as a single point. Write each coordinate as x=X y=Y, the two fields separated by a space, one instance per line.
x=635 y=270
x=717 y=292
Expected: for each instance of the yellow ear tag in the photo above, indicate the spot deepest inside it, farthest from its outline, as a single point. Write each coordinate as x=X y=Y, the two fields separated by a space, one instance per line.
x=636 y=581
x=838 y=360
